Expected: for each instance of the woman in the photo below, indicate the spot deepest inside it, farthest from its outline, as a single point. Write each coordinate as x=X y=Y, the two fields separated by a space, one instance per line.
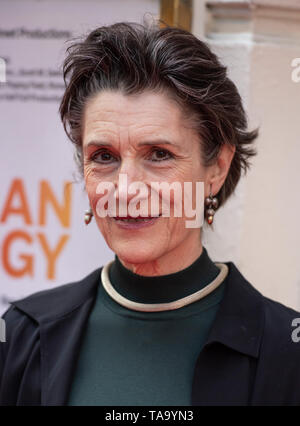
x=162 y=324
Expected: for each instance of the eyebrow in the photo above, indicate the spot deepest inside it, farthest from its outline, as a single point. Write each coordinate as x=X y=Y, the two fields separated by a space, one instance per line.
x=150 y=142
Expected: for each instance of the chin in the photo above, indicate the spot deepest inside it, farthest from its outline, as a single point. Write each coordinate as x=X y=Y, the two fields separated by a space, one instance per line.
x=134 y=253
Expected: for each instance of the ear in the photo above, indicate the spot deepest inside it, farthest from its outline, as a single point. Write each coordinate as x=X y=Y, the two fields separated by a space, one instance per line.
x=217 y=172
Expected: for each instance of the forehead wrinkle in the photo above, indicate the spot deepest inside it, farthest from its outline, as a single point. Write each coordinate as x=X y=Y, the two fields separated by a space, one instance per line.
x=111 y=121
x=120 y=136
x=160 y=112
x=135 y=133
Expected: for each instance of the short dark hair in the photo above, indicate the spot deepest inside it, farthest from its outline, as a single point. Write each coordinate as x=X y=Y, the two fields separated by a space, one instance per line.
x=132 y=57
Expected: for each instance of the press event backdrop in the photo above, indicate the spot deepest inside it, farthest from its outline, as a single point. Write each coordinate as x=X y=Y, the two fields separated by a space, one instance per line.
x=43 y=239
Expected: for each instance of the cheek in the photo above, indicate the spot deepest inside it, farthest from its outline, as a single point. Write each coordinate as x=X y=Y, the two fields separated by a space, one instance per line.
x=91 y=192
x=174 y=230
x=91 y=183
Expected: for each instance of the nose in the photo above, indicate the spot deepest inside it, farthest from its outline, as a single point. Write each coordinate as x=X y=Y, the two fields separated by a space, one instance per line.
x=130 y=174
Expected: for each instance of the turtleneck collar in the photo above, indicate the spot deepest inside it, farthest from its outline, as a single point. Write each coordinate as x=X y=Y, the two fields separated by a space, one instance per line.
x=163 y=288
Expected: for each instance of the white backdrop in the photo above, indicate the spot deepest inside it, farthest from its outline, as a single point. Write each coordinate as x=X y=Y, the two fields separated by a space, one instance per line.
x=43 y=239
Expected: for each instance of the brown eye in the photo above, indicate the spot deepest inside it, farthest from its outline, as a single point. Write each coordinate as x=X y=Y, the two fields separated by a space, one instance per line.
x=103 y=157
x=160 y=155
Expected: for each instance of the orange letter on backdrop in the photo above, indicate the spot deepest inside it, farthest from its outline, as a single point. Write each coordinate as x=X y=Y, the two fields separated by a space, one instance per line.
x=28 y=266
x=63 y=212
x=16 y=189
x=52 y=255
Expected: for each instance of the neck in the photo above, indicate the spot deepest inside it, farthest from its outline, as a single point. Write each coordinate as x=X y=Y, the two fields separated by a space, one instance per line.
x=170 y=262
x=163 y=288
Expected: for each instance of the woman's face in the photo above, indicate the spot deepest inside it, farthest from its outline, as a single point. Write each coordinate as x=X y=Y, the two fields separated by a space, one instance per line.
x=129 y=135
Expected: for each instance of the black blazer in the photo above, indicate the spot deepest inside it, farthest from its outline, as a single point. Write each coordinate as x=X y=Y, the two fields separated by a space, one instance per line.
x=249 y=357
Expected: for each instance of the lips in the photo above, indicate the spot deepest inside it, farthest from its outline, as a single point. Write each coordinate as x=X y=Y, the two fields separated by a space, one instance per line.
x=133 y=217
x=134 y=223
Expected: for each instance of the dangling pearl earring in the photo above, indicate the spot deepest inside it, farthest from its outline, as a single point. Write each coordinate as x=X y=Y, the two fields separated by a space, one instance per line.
x=211 y=204
x=88 y=216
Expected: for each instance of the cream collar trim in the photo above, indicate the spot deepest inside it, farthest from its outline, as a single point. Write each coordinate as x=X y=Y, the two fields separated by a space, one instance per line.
x=157 y=307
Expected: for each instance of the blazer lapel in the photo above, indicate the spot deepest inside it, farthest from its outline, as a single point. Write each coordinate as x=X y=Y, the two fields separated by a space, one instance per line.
x=225 y=368
x=60 y=346
x=62 y=318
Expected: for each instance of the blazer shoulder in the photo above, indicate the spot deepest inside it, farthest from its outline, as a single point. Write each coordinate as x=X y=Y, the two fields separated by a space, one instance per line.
x=278 y=311
x=55 y=302
x=268 y=323
x=278 y=314
x=282 y=331
x=275 y=313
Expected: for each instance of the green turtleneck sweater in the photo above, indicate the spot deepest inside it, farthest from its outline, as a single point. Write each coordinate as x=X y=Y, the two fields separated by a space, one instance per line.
x=145 y=358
